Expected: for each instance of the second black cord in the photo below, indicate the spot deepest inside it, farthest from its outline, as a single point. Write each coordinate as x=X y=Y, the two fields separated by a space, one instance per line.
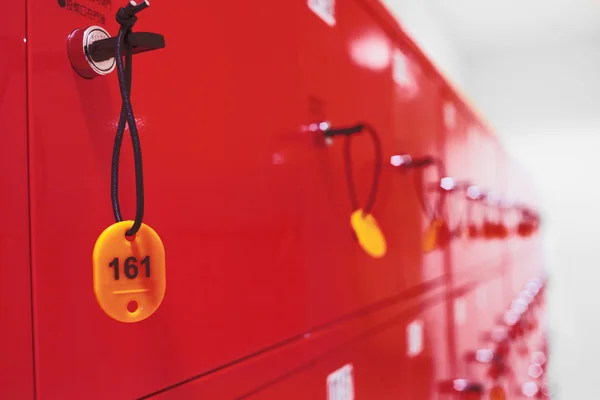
x=376 y=171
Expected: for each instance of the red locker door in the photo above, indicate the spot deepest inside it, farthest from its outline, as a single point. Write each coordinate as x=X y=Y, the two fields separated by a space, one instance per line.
x=417 y=132
x=370 y=368
x=16 y=362
x=217 y=110
x=356 y=70
x=403 y=357
x=477 y=308
x=425 y=370
x=344 y=86
x=460 y=167
x=373 y=345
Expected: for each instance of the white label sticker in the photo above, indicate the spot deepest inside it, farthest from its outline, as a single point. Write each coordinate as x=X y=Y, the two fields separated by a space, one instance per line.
x=401 y=70
x=450 y=116
x=324 y=9
x=340 y=384
x=414 y=333
x=460 y=311
x=403 y=73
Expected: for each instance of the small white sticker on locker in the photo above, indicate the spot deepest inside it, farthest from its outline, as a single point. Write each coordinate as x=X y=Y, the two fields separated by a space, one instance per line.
x=340 y=384
x=450 y=115
x=325 y=9
x=460 y=311
x=401 y=70
x=414 y=333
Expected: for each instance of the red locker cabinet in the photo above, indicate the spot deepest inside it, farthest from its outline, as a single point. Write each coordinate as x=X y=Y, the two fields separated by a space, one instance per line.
x=394 y=351
x=215 y=109
x=16 y=363
x=269 y=293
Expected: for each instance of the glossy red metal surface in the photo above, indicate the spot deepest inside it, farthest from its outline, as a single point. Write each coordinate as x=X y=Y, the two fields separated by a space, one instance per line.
x=268 y=291
x=16 y=362
x=229 y=215
x=375 y=345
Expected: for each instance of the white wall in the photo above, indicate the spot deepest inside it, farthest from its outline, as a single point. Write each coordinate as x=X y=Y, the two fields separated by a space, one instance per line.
x=419 y=20
x=545 y=104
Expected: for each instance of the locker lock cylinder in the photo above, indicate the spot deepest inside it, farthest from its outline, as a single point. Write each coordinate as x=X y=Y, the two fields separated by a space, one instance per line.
x=92 y=50
x=79 y=45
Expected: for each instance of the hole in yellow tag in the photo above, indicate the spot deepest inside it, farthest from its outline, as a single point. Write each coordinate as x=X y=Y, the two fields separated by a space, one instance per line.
x=369 y=235
x=430 y=238
x=129 y=272
x=132 y=306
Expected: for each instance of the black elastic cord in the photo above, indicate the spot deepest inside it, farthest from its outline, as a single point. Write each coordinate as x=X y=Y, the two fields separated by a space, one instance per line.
x=118 y=141
x=348 y=132
x=435 y=212
x=126 y=18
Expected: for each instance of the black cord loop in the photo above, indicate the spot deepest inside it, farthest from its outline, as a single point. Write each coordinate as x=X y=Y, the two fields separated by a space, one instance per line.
x=127 y=19
x=462 y=223
x=436 y=211
x=349 y=132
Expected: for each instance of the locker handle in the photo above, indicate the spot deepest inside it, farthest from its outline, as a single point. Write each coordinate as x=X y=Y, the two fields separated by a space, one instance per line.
x=460 y=386
x=140 y=42
x=345 y=131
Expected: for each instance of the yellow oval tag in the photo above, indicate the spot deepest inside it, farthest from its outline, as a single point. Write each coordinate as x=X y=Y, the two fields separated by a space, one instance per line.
x=430 y=238
x=497 y=393
x=129 y=275
x=369 y=235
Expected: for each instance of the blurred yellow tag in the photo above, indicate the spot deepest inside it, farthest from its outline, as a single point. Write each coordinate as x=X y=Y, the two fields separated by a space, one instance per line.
x=368 y=234
x=129 y=275
x=497 y=393
x=430 y=238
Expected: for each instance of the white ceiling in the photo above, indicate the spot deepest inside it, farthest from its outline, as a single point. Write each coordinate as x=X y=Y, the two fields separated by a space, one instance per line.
x=482 y=25
x=479 y=25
